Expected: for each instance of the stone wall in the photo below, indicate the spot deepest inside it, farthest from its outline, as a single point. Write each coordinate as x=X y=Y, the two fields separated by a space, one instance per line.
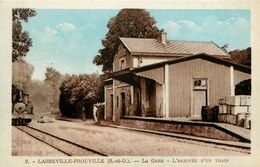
x=201 y=129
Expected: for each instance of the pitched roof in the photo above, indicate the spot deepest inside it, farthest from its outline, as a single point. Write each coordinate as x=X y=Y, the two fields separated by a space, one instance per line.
x=203 y=56
x=151 y=46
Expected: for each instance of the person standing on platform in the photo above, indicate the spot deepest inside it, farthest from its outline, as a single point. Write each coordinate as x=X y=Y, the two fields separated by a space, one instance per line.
x=96 y=113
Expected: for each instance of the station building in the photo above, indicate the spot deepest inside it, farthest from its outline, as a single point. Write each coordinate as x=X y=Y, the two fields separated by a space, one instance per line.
x=168 y=79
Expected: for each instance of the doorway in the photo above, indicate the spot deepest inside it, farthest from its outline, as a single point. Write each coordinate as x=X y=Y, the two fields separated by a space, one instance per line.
x=199 y=100
x=123 y=104
x=111 y=107
x=151 y=92
x=199 y=96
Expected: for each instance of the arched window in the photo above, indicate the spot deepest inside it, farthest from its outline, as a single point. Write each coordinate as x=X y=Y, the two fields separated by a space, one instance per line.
x=122 y=63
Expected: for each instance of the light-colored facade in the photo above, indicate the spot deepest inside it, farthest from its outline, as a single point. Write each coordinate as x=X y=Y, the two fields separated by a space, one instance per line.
x=165 y=84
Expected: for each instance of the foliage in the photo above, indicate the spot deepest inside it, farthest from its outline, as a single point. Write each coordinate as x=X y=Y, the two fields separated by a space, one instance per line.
x=53 y=81
x=127 y=23
x=241 y=56
x=243 y=87
x=78 y=91
x=21 y=40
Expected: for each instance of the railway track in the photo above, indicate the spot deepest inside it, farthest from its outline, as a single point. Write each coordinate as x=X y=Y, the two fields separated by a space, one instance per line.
x=67 y=147
x=225 y=145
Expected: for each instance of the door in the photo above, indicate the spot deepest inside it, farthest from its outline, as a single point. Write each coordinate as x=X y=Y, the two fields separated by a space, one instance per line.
x=111 y=107
x=138 y=104
x=151 y=89
x=199 y=100
x=123 y=104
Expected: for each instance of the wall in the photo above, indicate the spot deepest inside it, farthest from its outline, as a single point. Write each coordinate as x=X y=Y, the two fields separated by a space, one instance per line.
x=181 y=84
x=122 y=53
x=147 y=60
x=108 y=109
x=201 y=129
x=121 y=87
x=156 y=74
x=140 y=102
x=116 y=100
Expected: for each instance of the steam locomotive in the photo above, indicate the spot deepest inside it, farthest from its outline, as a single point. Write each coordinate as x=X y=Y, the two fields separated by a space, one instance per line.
x=22 y=108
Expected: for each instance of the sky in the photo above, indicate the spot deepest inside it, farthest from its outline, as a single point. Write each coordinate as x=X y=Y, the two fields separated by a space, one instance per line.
x=68 y=40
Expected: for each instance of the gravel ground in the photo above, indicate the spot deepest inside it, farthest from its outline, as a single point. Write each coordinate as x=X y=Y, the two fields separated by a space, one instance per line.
x=25 y=145
x=117 y=142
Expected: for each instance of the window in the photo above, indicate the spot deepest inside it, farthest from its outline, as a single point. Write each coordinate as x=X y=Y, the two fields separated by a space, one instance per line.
x=200 y=84
x=140 y=61
x=122 y=63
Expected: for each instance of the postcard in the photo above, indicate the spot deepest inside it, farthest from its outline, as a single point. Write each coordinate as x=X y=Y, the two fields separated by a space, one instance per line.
x=129 y=83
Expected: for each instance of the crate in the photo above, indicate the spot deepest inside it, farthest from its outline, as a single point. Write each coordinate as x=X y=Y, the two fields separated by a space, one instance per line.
x=222 y=109
x=233 y=100
x=234 y=110
x=249 y=110
x=241 y=100
x=231 y=119
x=228 y=109
x=245 y=100
x=222 y=117
x=222 y=101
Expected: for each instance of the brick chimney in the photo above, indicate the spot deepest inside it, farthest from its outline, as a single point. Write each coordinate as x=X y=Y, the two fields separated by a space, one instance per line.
x=162 y=38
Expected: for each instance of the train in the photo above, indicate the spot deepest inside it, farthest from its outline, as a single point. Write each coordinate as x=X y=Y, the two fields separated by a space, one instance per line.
x=22 y=108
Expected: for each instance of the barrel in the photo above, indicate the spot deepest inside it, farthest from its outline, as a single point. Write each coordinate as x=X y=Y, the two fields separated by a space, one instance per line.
x=204 y=113
x=209 y=113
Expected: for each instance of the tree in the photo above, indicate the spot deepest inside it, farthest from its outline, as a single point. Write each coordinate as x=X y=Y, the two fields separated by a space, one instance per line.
x=241 y=56
x=21 y=39
x=127 y=23
x=78 y=91
x=53 y=81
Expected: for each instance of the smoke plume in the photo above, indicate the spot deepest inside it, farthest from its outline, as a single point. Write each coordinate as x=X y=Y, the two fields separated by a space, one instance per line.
x=22 y=75
x=38 y=90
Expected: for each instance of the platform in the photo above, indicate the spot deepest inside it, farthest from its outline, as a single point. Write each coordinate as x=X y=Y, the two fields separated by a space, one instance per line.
x=212 y=130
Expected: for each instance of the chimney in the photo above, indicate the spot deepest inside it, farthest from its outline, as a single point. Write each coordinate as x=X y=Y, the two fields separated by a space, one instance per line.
x=163 y=38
